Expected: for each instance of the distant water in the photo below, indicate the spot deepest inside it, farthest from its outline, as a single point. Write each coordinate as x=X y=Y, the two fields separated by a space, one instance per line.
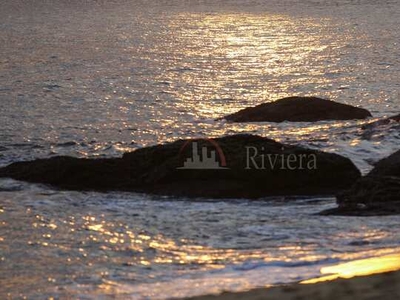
x=98 y=78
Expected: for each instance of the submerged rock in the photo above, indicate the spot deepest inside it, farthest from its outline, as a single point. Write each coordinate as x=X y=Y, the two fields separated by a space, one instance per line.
x=381 y=122
x=238 y=166
x=299 y=109
x=378 y=193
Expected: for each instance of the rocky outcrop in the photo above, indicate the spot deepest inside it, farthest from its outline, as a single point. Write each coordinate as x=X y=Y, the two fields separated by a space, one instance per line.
x=238 y=166
x=378 y=193
x=299 y=109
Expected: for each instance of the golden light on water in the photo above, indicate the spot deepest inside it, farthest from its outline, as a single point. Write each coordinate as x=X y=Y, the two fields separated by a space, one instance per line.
x=98 y=244
x=236 y=56
x=361 y=267
x=167 y=250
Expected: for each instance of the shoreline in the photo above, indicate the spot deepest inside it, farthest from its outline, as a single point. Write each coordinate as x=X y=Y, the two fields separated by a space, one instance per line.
x=383 y=286
x=373 y=278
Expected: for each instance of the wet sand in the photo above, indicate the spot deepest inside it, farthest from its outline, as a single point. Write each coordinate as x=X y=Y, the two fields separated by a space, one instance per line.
x=380 y=286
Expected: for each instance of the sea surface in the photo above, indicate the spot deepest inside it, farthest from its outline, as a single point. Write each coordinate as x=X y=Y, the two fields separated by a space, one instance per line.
x=98 y=78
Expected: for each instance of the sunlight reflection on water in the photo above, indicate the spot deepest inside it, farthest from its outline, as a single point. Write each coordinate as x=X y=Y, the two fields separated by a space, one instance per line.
x=156 y=76
x=100 y=79
x=361 y=267
x=137 y=246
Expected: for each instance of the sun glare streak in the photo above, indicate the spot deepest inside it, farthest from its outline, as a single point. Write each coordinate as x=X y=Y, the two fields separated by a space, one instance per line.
x=361 y=267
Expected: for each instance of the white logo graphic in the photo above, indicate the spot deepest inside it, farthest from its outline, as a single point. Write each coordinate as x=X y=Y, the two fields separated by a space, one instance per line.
x=203 y=161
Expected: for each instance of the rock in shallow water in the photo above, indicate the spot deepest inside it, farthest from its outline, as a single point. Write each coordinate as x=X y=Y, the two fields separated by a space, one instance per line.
x=378 y=193
x=299 y=109
x=385 y=121
x=238 y=166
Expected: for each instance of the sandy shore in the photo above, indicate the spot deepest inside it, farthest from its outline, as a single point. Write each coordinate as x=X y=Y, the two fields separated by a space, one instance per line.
x=380 y=286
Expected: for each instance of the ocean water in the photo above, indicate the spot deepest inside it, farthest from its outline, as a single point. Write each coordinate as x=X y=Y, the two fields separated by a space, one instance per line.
x=98 y=78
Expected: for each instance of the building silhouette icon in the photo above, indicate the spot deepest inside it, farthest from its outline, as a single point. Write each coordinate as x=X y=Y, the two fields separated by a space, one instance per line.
x=203 y=161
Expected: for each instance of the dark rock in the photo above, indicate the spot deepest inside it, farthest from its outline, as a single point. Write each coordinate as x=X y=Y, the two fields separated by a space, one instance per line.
x=288 y=170
x=378 y=193
x=299 y=109
x=381 y=122
x=389 y=166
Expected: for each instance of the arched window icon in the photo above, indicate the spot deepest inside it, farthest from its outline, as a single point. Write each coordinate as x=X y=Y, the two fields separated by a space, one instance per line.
x=207 y=157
